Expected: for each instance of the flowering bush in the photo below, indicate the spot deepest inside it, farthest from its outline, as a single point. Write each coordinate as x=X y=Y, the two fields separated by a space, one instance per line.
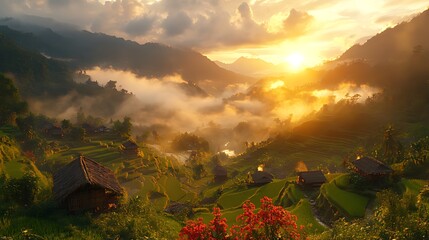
x=270 y=222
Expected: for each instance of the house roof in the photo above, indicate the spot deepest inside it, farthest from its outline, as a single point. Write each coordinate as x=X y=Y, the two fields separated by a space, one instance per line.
x=130 y=144
x=262 y=177
x=312 y=176
x=370 y=166
x=220 y=171
x=80 y=172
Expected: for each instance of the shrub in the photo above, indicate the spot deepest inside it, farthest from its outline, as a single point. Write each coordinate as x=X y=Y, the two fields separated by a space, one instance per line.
x=23 y=190
x=270 y=222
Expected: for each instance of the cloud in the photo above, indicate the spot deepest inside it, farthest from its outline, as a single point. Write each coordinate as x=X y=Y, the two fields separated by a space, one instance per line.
x=245 y=11
x=139 y=26
x=176 y=23
x=297 y=23
x=198 y=24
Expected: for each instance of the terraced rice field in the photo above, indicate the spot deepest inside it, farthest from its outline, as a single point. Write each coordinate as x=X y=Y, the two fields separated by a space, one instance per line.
x=306 y=218
x=352 y=204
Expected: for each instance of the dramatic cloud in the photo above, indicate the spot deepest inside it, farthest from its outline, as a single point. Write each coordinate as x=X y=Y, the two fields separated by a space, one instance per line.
x=176 y=23
x=228 y=29
x=297 y=23
x=139 y=26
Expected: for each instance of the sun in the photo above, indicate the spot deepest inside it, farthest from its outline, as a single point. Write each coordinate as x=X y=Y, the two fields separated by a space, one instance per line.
x=295 y=61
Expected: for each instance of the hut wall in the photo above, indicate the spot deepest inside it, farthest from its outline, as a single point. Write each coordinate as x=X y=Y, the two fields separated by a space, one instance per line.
x=86 y=199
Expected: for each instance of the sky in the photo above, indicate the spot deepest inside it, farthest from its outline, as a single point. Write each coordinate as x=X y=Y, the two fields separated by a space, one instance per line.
x=277 y=31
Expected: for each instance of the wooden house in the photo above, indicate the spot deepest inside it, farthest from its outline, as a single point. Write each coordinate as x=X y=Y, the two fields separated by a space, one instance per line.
x=130 y=147
x=311 y=178
x=85 y=185
x=102 y=129
x=371 y=168
x=220 y=174
x=261 y=178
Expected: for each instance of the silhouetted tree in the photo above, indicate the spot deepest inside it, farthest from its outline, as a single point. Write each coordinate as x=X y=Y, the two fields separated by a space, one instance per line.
x=10 y=102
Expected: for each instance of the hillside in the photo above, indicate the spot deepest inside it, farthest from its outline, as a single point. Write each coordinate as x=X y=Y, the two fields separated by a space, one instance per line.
x=395 y=43
x=86 y=50
x=252 y=67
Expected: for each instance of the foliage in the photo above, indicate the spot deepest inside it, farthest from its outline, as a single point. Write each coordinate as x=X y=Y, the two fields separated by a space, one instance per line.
x=391 y=150
x=135 y=220
x=395 y=218
x=269 y=222
x=21 y=191
x=417 y=157
x=78 y=133
x=11 y=105
x=123 y=128
x=188 y=141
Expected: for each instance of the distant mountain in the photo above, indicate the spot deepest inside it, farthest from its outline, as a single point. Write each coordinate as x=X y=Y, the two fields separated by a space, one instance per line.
x=254 y=67
x=86 y=50
x=394 y=44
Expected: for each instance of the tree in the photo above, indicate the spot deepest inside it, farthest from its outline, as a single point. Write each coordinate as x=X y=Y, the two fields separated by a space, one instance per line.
x=78 y=133
x=11 y=104
x=397 y=217
x=66 y=125
x=80 y=116
x=187 y=141
x=417 y=157
x=391 y=147
x=123 y=128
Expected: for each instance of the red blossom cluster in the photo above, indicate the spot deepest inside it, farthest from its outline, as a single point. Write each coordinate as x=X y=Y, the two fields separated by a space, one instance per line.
x=270 y=222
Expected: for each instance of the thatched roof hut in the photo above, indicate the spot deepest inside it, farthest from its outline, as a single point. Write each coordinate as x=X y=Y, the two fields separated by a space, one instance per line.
x=220 y=173
x=311 y=178
x=262 y=177
x=370 y=167
x=84 y=184
x=130 y=147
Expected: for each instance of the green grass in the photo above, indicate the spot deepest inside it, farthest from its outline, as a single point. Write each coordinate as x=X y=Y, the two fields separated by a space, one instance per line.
x=306 y=218
x=270 y=190
x=15 y=169
x=342 y=181
x=413 y=186
x=293 y=193
x=352 y=204
x=236 y=198
x=172 y=188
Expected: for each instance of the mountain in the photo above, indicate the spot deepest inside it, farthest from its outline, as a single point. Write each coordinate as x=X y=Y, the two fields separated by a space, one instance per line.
x=394 y=44
x=254 y=67
x=86 y=50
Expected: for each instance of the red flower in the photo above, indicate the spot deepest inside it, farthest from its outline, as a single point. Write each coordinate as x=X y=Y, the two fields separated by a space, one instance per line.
x=270 y=222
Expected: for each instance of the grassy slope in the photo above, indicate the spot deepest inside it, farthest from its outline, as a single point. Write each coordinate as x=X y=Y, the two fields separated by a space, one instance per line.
x=306 y=218
x=352 y=204
x=138 y=175
x=232 y=199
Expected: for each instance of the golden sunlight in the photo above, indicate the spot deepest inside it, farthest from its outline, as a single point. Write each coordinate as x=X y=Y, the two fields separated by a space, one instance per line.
x=277 y=84
x=295 y=61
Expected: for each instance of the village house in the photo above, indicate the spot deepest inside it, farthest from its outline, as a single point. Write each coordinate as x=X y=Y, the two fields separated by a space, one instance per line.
x=311 y=178
x=371 y=168
x=261 y=177
x=102 y=129
x=220 y=174
x=85 y=185
x=130 y=147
